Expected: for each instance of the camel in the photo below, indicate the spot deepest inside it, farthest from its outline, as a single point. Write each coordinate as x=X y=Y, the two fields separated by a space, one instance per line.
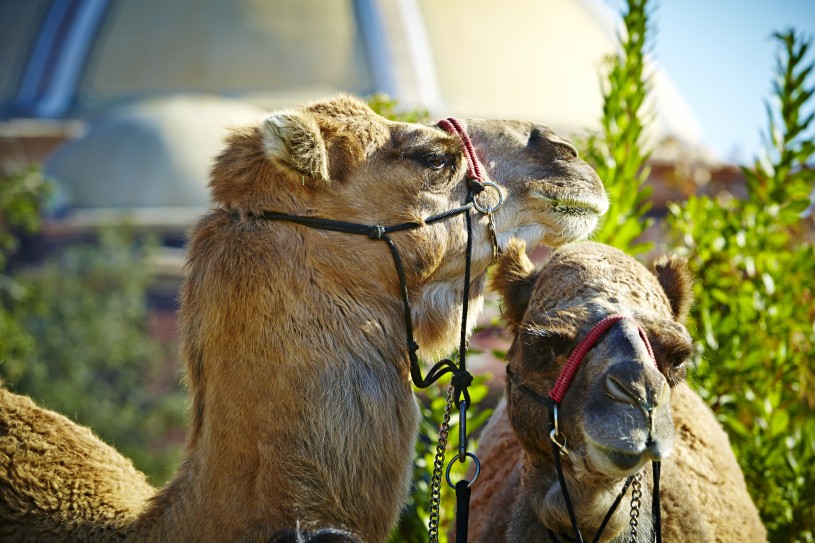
x=624 y=408
x=294 y=338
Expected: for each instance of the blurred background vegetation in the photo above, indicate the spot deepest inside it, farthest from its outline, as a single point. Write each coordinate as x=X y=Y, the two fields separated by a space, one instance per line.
x=75 y=334
x=754 y=316
x=75 y=329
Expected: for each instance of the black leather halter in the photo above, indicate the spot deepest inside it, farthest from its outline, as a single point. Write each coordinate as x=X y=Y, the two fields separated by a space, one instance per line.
x=461 y=377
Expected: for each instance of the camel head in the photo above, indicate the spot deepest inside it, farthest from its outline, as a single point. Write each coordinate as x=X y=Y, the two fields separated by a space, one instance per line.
x=616 y=415
x=337 y=159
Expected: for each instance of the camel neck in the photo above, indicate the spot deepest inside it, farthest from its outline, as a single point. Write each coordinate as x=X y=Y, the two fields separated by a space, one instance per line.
x=191 y=509
x=168 y=513
x=592 y=500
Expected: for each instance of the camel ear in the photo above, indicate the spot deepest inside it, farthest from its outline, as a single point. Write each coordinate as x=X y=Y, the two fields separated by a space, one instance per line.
x=677 y=282
x=294 y=142
x=514 y=278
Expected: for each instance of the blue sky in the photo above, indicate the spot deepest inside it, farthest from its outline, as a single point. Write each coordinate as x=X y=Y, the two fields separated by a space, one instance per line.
x=720 y=55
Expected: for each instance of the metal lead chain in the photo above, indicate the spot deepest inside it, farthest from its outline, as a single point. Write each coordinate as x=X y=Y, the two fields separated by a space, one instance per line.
x=636 y=500
x=438 y=467
x=496 y=250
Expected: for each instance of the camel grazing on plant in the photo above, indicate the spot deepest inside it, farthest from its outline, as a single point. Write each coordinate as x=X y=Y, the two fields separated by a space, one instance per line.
x=628 y=404
x=294 y=337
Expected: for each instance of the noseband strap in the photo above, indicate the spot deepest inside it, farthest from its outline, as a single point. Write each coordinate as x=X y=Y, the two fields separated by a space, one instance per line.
x=568 y=372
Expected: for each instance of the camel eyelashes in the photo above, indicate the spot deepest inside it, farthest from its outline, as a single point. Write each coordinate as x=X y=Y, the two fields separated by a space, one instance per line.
x=547 y=343
x=678 y=355
x=672 y=354
x=435 y=161
x=671 y=343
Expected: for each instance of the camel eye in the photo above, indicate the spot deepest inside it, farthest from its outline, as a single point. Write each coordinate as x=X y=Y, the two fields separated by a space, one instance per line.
x=679 y=356
x=435 y=161
x=672 y=354
x=547 y=345
x=559 y=343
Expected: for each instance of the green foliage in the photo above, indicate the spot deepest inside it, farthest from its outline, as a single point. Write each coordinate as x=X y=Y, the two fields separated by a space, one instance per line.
x=388 y=107
x=75 y=339
x=93 y=359
x=755 y=308
x=413 y=525
x=617 y=153
x=20 y=197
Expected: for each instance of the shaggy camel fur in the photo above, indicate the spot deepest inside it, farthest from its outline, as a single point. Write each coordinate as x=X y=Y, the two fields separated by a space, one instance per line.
x=616 y=416
x=293 y=338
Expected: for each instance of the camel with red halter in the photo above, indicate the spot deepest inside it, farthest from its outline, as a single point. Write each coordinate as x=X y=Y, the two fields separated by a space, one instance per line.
x=597 y=412
x=293 y=334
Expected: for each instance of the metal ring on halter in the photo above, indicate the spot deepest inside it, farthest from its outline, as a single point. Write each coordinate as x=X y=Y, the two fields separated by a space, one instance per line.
x=489 y=209
x=562 y=446
x=553 y=435
x=477 y=470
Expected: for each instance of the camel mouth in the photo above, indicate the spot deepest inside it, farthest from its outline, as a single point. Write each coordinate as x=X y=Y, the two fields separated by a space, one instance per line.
x=624 y=459
x=616 y=462
x=565 y=218
x=576 y=206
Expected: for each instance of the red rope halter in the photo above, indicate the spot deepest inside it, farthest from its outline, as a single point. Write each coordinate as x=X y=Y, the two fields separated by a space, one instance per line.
x=452 y=126
x=570 y=369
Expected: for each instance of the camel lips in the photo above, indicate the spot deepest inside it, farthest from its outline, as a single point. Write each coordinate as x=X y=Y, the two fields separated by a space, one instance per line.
x=568 y=206
x=571 y=210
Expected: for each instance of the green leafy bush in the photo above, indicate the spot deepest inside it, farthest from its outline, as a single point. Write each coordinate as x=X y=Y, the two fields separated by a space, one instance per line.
x=93 y=359
x=75 y=335
x=20 y=197
x=617 y=153
x=755 y=310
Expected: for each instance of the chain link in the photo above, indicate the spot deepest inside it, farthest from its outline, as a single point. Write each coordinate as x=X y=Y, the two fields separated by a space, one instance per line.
x=438 y=467
x=636 y=500
x=496 y=250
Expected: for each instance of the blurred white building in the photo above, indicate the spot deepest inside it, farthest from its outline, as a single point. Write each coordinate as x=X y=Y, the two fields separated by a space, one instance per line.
x=148 y=86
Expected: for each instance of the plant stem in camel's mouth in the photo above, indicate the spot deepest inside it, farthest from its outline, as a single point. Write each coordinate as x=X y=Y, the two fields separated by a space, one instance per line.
x=569 y=206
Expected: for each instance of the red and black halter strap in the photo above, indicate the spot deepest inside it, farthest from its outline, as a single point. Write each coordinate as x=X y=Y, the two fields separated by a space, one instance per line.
x=556 y=395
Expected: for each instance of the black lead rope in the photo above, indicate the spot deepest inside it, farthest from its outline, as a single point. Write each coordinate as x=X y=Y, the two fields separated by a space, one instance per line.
x=656 y=514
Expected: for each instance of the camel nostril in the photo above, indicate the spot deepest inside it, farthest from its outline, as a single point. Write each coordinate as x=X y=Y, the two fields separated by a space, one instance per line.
x=619 y=392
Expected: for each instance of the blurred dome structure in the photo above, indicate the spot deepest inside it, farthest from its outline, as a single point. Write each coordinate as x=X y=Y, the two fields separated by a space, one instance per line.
x=150 y=159
x=156 y=82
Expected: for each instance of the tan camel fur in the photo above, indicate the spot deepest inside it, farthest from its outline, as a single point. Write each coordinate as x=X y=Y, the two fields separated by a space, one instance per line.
x=293 y=338
x=619 y=414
